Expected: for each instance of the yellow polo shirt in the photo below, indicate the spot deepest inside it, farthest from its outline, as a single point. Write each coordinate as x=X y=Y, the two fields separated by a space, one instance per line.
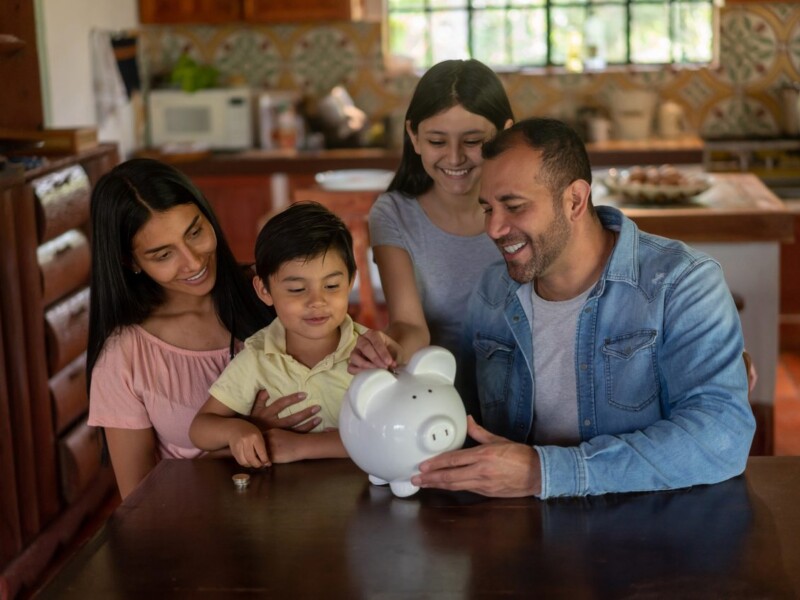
x=264 y=364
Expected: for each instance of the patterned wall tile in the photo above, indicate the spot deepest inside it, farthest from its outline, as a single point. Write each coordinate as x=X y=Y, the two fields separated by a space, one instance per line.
x=759 y=53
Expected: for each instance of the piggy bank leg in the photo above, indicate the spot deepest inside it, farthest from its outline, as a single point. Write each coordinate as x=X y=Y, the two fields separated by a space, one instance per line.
x=377 y=480
x=402 y=489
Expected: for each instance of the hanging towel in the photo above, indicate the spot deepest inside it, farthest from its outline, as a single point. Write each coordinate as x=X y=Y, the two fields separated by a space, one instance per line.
x=110 y=94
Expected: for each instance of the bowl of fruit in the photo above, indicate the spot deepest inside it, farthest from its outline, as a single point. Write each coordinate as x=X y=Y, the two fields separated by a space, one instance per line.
x=656 y=184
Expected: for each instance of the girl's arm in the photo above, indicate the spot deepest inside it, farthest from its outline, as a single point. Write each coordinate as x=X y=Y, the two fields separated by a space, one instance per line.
x=407 y=331
x=133 y=455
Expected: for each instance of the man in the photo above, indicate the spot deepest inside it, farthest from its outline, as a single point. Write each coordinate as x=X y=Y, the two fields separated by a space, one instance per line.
x=601 y=358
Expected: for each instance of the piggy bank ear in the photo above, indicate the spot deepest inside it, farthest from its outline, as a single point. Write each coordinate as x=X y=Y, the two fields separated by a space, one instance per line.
x=433 y=360
x=365 y=386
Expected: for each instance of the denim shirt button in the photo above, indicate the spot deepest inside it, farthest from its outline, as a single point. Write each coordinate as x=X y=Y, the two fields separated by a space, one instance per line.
x=584 y=366
x=516 y=318
x=587 y=310
x=587 y=422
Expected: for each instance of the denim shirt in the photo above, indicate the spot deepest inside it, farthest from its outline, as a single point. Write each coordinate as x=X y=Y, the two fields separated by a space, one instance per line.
x=661 y=384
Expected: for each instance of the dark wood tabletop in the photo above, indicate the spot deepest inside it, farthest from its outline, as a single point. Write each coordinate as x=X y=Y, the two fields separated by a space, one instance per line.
x=320 y=530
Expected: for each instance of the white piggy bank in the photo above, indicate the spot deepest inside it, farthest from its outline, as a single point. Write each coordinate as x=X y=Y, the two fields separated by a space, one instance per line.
x=390 y=423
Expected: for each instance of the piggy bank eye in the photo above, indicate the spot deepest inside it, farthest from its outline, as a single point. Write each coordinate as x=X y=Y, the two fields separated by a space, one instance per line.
x=430 y=391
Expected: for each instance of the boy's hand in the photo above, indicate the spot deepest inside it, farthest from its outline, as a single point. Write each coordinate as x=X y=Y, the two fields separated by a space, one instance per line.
x=247 y=445
x=266 y=417
x=374 y=350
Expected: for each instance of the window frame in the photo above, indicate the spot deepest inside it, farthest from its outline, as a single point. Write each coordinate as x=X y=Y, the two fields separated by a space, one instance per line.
x=550 y=66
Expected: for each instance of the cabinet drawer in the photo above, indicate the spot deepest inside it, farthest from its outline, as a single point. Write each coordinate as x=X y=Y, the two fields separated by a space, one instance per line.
x=62 y=201
x=64 y=262
x=79 y=459
x=68 y=392
x=67 y=330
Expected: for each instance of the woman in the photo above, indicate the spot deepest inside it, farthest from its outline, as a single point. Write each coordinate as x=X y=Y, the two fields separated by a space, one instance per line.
x=427 y=229
x=169 y=306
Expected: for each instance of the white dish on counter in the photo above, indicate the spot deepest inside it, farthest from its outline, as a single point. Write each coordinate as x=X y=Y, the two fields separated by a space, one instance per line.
x=657 y=193
x=354 y=180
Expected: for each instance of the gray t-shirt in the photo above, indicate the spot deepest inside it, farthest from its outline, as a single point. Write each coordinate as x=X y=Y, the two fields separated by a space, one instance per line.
x=446 y=266
x=556 y=394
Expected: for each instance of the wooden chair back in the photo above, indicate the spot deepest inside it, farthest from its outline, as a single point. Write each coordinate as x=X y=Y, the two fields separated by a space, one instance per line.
x=353 y=208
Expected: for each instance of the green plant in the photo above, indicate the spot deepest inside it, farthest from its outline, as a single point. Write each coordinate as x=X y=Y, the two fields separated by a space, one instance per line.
x=192 y=76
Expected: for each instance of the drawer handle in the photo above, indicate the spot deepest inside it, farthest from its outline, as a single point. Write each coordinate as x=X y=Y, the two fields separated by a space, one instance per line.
x=62 y=250
x=75 y=314
x=61 y=182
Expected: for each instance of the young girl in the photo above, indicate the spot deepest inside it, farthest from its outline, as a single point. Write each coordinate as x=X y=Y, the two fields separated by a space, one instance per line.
x=169 y=305
x=427 y=230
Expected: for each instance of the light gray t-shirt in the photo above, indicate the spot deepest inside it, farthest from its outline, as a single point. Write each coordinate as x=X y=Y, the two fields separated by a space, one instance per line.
x=446 y=266
x=556 y=393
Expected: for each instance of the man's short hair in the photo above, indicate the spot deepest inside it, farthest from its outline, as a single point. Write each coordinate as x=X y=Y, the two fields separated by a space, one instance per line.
x=564 y=156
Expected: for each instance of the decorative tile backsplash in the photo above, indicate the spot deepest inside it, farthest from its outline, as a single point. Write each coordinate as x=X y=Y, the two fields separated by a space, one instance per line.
x=759 y=53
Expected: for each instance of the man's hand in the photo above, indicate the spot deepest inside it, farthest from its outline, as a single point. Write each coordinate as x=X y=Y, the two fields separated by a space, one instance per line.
x=498 y=468
x=266 y=417
x=374 y=350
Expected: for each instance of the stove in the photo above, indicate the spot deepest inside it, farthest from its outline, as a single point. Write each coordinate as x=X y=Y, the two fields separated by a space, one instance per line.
x=775 y=160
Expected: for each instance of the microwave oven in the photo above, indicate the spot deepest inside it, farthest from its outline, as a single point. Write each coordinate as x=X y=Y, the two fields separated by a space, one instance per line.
x=220 y=119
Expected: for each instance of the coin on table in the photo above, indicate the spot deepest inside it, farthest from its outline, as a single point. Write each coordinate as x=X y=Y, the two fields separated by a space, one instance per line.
x=241 y=480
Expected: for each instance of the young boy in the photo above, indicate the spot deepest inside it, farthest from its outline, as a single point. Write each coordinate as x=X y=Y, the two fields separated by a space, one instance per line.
x=305 y=270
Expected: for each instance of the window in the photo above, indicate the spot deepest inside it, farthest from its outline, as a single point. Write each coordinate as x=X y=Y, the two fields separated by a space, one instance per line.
x=575 y=34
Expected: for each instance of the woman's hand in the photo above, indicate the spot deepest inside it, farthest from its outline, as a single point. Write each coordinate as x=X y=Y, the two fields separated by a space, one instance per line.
x=266 y=417
x=374 y=350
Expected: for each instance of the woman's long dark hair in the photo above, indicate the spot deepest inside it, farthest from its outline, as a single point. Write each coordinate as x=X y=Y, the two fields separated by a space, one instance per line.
x=468 y=83
x=122 y=202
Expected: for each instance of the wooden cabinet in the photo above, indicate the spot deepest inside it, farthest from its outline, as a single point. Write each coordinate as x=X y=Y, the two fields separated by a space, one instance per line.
x=276 y=11
x=241 y=204
x=260 y=11
x=55 y=480
x=189 y=11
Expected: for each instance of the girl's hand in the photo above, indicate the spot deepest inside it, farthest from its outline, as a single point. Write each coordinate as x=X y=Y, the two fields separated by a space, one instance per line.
x=374 y=350
x=266 y=417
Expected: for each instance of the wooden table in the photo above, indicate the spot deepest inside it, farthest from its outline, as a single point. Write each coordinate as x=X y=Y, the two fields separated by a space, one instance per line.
x=319 y=530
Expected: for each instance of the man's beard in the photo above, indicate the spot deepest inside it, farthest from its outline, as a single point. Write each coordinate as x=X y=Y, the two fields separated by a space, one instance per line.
x=544 y=250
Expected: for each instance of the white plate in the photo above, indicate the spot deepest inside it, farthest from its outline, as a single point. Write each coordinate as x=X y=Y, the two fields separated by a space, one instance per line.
x=355 y=179
x=649 y=193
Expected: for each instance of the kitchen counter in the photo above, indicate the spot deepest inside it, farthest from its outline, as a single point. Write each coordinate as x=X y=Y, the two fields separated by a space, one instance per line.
x=685 y=150
x=737 y=208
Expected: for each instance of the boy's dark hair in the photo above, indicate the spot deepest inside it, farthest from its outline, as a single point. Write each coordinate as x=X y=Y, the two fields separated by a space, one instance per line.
x=303 y=230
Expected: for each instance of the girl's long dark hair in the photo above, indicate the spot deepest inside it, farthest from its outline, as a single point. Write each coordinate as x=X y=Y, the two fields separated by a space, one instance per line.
x=468 y=83
x=122 y=202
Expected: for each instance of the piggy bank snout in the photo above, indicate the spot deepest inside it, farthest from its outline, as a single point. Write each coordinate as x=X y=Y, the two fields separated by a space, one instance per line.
x=438 y=434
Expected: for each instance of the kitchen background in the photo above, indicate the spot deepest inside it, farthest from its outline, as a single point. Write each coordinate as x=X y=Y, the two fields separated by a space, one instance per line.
x=740 y=97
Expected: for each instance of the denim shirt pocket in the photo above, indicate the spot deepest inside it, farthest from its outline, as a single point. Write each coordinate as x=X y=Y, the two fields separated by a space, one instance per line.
x=494 y=361
x=630 y=370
